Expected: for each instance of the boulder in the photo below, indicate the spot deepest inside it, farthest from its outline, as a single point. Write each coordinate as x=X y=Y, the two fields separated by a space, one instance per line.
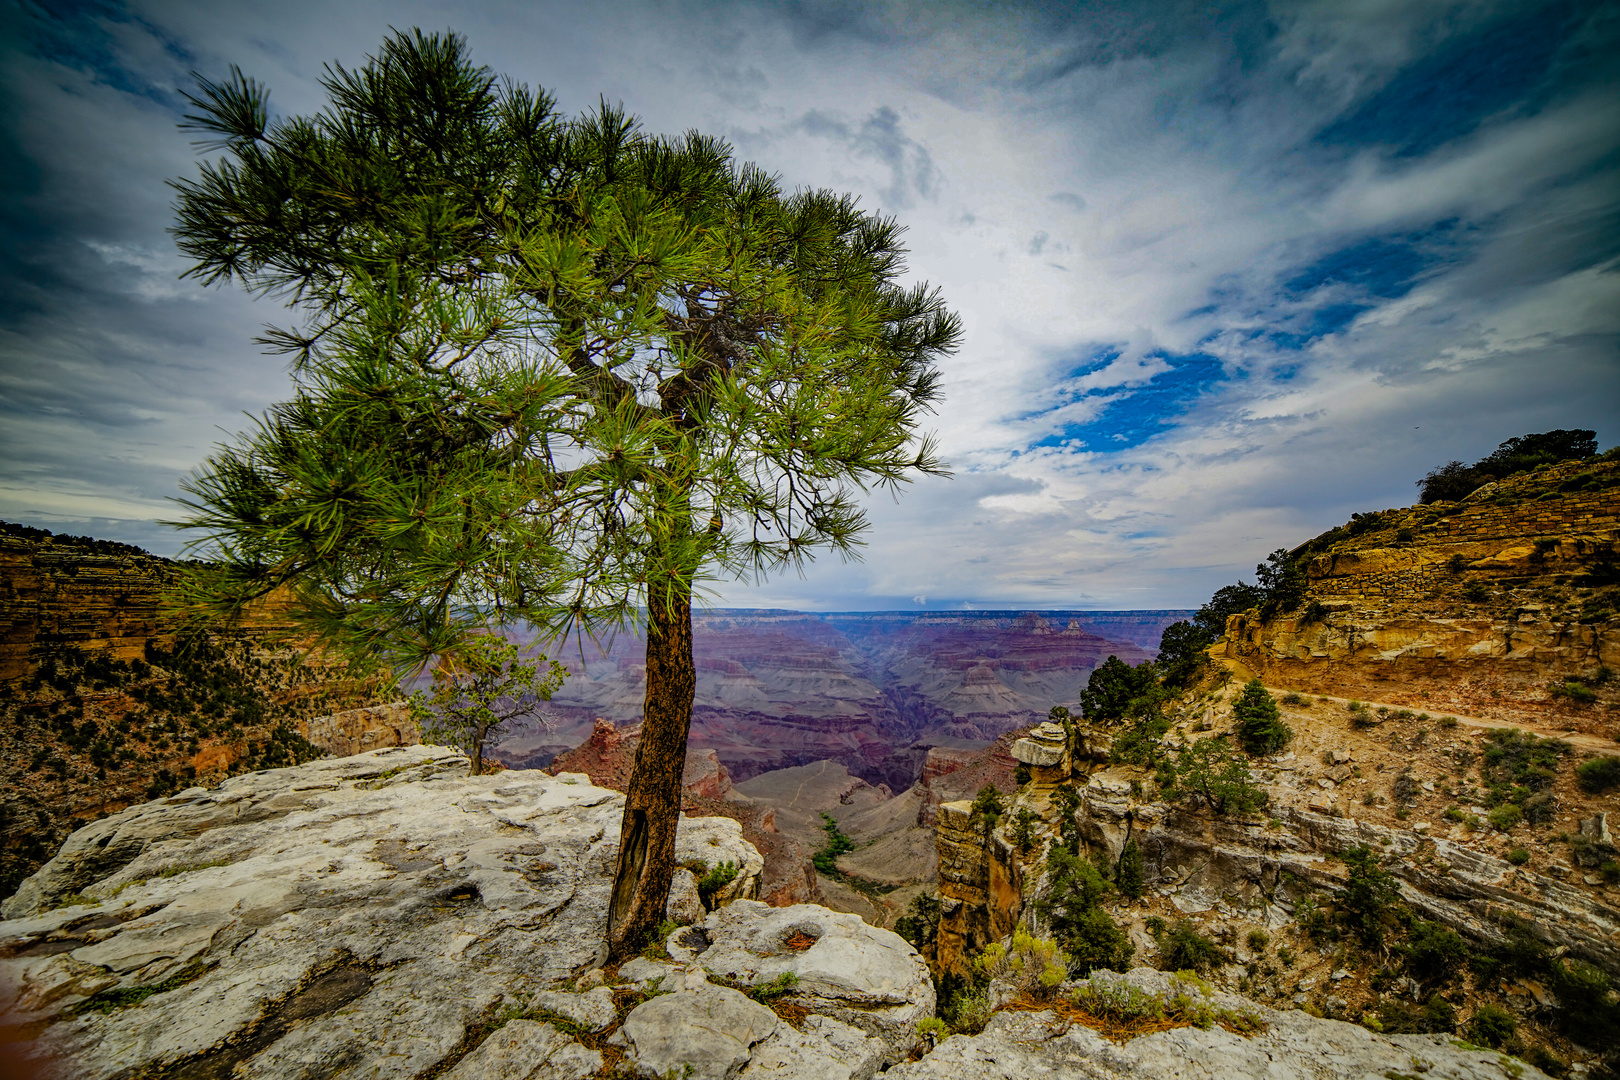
x=706 y=1034
x=868 y=978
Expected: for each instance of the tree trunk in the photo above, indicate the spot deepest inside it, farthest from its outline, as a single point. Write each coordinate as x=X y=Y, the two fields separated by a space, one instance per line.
x=652 y=806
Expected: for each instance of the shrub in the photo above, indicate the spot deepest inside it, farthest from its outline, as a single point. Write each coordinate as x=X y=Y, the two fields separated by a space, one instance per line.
x=1491 y=1025
x=1404 y=535
x=1547 y=1061
x=1023 y=832
x=1209 y=770
x=1035 y=966
x=1367 y=903
x=1610 y=870
x=1591 y=1015
x=1573 y=689
x=1183 y=948
x=1129 y=874
x=1072 y=908
x=1295 y=700
x=1518 y=856
x=1183 y=653
x=1259 y=728
x=714 y=881
x=1505 y=817
x=1433 y=953
x=986 y=810
x=1456 y=564
x=1448 y=722
x=1475 y=592
x=1598 y=775
x=1434 y=1015
x=1258 y=940
x=920 y=924
x=826 y=860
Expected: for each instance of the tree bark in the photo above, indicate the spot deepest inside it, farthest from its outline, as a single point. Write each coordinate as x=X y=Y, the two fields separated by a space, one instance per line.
x=652 y=805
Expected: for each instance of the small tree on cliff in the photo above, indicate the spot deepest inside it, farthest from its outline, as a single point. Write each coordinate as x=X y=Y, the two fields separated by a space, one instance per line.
x=1259 y=727
x=479 y=689
x=551 y=370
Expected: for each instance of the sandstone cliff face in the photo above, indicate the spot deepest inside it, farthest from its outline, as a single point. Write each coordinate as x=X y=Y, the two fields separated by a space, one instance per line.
x=1487 y=604
x=100 y=709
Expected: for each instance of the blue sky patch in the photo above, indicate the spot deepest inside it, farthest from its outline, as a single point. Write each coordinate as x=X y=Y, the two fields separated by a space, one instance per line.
x=1144 y=411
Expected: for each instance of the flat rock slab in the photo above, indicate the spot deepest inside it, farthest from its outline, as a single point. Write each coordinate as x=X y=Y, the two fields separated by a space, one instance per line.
x=706 y=1034
x=347 y=918
x=526 y=1050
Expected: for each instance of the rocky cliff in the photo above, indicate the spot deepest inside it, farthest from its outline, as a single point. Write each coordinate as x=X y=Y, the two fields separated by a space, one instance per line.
x=389 y=915
x=1492 y=606
x=102 y=706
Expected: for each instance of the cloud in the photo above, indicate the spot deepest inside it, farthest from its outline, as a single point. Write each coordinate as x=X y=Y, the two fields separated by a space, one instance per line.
x=1227 y=273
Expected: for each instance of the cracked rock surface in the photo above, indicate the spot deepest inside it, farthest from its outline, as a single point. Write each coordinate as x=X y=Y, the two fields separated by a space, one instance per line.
x=354 y=917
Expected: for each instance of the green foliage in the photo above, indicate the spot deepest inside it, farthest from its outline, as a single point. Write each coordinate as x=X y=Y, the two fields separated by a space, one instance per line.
x=1210 y=771
x=1282 y=580
x=123 y=997
x=1573 y=690
x=1454 y=480
x=1227 y=601
x=1491 y=1025
x=1035 y=966
x=986 y=809
x=1072 y=907
x=1258 y=940
x=1189 y=1003
x=1183 y=653
x=933 y=1029
x=825 y=860
x=920 y=924
x=552 y=368
x=478 y=689
x=766 y=992
x=1259 y=727
x=1503 y=818
x=1518 y=856
x=1066 y=799
x=1369 y=899
x=1599 y=774
x=1024 y=823
x=1117 y=692
x=1434 y=1015
x=715 y=880
x=1128 y=877
x=1434 y=954
x=1140 y=742
x=1022 y=774
x=1475 y=592
x=1183 y=948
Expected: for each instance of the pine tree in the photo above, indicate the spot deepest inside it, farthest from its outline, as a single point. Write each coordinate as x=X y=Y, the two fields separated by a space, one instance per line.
x=1259 y=726
x=551 y=371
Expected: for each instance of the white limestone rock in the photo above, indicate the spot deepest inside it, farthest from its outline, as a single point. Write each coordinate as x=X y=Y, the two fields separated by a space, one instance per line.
x=711 y=1031
x=333 y=920
x=869 y=978
x=526 y=1050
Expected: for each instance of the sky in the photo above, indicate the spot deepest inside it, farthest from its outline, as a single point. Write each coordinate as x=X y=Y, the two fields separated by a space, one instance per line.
x=1228 y=272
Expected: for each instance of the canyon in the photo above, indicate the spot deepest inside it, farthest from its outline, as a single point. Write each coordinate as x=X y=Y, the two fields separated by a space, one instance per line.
x=871 y=691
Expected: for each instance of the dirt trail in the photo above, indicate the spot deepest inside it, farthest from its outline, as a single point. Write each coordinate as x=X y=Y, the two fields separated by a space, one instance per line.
x=1591 y=743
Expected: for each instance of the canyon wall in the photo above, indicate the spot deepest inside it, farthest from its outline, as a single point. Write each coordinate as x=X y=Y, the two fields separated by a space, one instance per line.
x=1487 y=606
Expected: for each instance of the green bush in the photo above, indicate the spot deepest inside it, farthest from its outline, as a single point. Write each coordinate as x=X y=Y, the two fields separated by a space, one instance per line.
x=1518 y=856
x=1210 y=771
x=1258 y=940
x=1598 y=775
x=715 y=880
x=1368 y=901
x=826 y=860
x=1023 y=831
x=1072 y=908
x=920 y=924
x=1129 y=874
x=1475 y=592
x=1259 y=728
x=1436 y=1015
x=1433 y=953
x=986 y=809
x=1505 y=817
x=1183 y=948
x=1573 y=689
x=1493 y=1026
